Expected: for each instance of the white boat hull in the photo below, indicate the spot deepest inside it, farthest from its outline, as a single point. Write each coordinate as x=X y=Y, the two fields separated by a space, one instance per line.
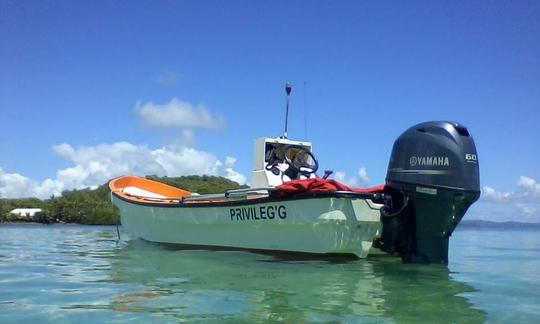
x=344 y=225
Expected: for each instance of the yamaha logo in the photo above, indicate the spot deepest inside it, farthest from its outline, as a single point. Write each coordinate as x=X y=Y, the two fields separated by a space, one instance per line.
x=429 y=161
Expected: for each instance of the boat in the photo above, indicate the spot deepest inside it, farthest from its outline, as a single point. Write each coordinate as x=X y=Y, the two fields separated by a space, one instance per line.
x=432 y=179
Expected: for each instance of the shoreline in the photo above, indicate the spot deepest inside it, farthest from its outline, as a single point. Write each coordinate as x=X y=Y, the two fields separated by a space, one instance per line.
x=51 y=224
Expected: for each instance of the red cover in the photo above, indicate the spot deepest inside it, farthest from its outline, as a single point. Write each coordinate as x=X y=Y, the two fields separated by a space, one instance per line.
x=293 y=187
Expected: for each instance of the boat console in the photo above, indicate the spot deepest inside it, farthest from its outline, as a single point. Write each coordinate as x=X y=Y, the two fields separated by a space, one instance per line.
x=278 y=160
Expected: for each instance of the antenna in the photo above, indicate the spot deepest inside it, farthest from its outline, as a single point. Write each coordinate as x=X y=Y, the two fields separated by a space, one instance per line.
x=305 y=110
x=288 y=89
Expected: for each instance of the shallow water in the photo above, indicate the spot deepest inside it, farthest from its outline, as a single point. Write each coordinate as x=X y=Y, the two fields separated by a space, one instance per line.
x=81 y=274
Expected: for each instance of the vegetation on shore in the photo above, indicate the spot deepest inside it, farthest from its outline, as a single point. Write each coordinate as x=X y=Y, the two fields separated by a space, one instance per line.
x=93 y=206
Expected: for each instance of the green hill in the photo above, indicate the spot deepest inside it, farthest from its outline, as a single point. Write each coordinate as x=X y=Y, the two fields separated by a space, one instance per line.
x=200 y=184
x=93 y=206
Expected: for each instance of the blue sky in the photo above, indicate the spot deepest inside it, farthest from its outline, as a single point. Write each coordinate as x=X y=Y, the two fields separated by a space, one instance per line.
x=81 y=81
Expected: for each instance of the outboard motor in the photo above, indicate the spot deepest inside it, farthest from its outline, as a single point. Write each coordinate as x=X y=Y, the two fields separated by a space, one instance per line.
x=433 y=178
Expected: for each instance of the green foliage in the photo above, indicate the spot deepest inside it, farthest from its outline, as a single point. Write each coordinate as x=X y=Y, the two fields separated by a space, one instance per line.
x=82 y=206
x=7 y=205
x=93 y=206
x=42 y=218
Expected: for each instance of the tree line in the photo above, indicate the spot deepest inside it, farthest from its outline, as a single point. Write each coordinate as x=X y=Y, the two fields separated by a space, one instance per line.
x=94 y=207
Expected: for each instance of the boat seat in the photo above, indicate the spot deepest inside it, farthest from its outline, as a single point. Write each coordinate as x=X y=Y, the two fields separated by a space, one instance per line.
x=138 y=192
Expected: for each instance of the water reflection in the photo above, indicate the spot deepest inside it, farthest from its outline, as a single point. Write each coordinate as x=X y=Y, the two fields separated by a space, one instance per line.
x=79 y=274
x=239 y=286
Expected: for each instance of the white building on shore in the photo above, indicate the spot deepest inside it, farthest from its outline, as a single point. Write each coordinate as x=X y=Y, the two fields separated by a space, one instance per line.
x=26 y=212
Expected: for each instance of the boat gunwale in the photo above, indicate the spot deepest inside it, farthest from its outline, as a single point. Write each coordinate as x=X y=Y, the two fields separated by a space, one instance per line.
x=267 y=199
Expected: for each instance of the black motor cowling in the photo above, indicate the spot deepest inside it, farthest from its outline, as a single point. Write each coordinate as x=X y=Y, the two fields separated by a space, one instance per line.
x=433 y=175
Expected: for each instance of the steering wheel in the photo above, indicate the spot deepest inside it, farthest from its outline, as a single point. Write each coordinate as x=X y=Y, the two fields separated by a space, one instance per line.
x=303 y=162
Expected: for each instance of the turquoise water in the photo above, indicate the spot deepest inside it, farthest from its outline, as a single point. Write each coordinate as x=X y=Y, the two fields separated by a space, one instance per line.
x=80 y=274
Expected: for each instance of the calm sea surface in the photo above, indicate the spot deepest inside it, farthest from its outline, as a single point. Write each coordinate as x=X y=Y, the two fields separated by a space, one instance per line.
x=78 y=274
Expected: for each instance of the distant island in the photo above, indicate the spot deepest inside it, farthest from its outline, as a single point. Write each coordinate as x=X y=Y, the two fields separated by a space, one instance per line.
x=93 y=207
x=484 y=224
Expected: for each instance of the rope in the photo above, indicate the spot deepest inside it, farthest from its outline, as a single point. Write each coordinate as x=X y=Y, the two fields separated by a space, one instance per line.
x=117 y=223
x=402 y=208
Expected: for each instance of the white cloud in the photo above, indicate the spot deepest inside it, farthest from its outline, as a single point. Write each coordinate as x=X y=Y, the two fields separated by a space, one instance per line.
x=177 y=114
x=527 y=209
x=11 y=184
x=529 y=186
x=361 y=180
x=230 y=161
x=528 y=190
x=231 y=174
x=14 y=185
x=236 y=176
x=64 y=150
x=48 y=188
x=94 y=165
x=362 y=172
x=342 y=177
x=491 y=194
x=339 y=176
x=523 y=204
x=185 y=161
